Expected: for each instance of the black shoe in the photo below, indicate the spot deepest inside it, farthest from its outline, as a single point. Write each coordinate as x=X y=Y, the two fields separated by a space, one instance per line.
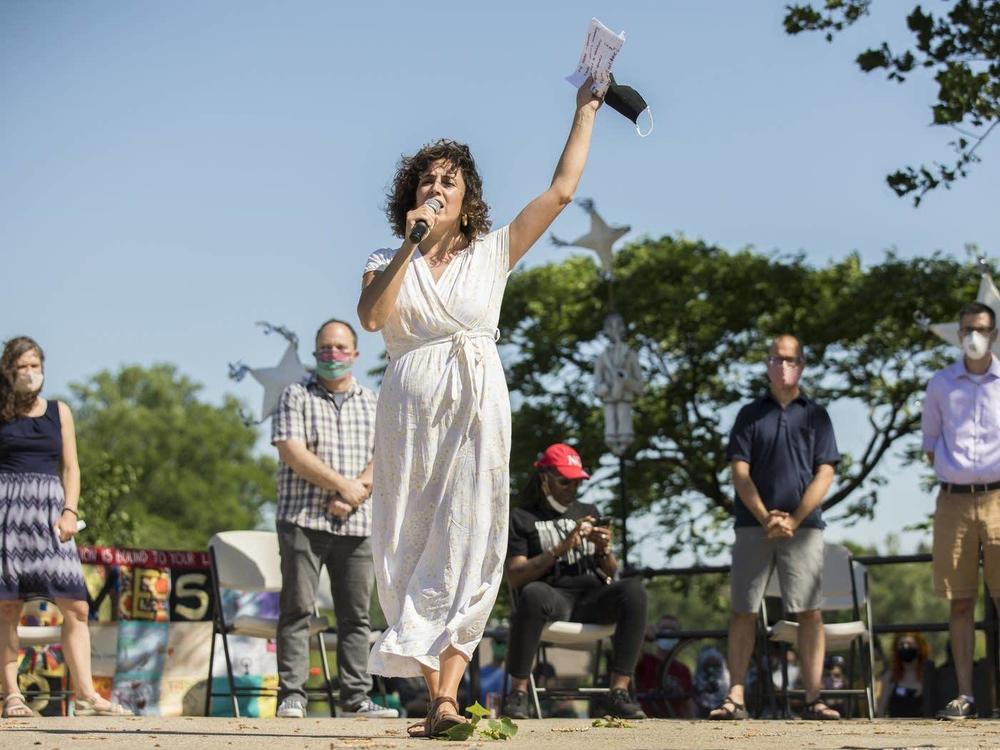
x=621 y=705
x=957 y=710
x=515 y=705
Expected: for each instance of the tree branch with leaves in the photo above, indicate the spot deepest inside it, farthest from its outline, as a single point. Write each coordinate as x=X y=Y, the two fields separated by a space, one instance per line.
x=961 y=48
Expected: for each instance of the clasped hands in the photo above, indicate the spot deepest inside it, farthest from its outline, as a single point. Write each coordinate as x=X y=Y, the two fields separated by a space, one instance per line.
x=352 y=493
x=779 y=524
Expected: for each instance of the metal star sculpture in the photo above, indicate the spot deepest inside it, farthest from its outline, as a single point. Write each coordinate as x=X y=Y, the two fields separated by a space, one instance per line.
x=601 y=237
x=988 y=295
x=274 y=379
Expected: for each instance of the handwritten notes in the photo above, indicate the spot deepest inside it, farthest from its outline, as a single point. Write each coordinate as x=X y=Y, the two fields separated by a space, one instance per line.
x=599 y=51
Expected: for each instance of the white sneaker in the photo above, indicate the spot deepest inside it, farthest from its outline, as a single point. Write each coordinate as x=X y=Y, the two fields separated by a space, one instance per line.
x=371 y=710
x=291 y=708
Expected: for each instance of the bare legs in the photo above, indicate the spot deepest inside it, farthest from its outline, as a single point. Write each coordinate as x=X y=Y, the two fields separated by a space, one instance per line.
x=811 y=643
x=446 y=680
x=75 y=643
x=812 y=648
x=76 y=647
x=961 y=624
x=10 y=614
x=742 y=633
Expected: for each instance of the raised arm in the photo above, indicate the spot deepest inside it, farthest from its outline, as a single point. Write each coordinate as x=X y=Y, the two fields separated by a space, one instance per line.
x=538 y=215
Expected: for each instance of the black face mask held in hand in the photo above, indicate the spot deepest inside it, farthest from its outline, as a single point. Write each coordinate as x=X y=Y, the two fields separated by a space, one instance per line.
x=629 y=102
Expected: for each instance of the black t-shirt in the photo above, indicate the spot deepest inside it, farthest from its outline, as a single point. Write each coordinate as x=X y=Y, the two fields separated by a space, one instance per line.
x=534 y=530
x=784 y=447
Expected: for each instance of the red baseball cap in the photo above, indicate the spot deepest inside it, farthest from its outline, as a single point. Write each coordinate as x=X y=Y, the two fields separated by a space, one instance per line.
x=563 y=459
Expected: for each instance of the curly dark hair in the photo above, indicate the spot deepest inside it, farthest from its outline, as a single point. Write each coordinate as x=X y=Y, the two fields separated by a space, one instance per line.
x=12 y=403
x=400 y=198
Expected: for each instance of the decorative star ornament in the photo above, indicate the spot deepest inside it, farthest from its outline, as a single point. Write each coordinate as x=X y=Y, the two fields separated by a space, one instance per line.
x=988 y=295
x=601 y=237
x=274 y=379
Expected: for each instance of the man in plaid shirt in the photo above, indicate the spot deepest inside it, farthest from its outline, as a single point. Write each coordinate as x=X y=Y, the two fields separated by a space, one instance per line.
x=324 y=431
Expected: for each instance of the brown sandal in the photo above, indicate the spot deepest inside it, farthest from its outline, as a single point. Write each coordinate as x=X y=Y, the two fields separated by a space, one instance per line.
x=421 y=728
x=818 y=710
x=440 y=719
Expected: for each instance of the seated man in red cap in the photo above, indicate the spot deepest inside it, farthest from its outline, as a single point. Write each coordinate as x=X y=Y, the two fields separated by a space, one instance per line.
x=560 y=562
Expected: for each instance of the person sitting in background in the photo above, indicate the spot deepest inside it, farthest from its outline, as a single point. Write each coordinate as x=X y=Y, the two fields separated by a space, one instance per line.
x=835 y=679
x=904 y=690
x=778 y=654
x=664 y=690
x=560 y=562
x=711 y=680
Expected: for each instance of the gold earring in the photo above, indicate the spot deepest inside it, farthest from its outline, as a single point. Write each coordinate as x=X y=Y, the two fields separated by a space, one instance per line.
x=465 y=220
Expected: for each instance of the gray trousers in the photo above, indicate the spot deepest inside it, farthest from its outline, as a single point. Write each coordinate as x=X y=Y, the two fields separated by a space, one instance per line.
x=352 y=574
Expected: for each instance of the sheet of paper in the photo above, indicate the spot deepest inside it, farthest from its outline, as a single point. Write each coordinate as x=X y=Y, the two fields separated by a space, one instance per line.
x=599 y=51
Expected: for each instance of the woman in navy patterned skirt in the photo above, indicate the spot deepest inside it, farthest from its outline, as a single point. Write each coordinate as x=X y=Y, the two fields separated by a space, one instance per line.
x=39 y=491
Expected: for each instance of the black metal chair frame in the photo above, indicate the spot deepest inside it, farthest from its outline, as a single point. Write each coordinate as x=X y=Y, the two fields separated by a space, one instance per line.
x=221 y=627
x=867 y=665
x=577 y=693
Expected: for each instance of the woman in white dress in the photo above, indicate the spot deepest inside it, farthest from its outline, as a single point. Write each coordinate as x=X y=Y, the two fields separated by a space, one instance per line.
x=441 y=484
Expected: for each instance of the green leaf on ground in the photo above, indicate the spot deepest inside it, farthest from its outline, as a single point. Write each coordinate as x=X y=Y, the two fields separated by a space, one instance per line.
x=492 y=729
x=477 y=711
x=460 y=732
x=610 y=722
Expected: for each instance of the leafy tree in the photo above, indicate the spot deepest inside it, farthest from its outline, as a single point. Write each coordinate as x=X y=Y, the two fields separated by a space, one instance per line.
x=106 y=485
x=701 y=319
x=962 y=47
x=161 y=467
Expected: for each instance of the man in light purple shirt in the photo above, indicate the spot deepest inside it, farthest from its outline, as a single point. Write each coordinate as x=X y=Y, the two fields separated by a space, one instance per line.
x=961 y=425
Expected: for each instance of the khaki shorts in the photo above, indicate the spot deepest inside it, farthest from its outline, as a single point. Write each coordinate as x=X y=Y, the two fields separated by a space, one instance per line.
x=962 y=524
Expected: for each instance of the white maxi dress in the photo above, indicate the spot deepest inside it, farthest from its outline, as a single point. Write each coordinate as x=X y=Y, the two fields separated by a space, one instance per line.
x=440 y=498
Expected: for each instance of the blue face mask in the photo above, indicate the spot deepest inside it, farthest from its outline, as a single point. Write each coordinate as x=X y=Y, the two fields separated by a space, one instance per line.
x=666 y=644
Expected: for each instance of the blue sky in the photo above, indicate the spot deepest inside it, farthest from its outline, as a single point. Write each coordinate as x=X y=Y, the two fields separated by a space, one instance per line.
x=171 y=173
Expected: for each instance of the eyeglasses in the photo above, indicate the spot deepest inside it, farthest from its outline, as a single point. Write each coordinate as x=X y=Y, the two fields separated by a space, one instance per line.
x=793 y=361
x=967 y=330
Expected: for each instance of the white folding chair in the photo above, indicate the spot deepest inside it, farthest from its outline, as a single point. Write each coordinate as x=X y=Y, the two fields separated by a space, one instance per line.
x=249 y=561
x=845 y=587
x=40 y=636
x=577 y=636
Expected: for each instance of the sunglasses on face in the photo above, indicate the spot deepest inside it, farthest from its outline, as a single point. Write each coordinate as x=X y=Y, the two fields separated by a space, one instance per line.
x=560 y=481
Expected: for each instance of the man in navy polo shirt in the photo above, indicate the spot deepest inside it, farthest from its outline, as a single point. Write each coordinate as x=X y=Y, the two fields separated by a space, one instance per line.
x=783 y=453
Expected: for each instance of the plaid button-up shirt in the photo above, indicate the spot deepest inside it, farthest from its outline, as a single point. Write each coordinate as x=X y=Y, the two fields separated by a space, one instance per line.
x=342 y=437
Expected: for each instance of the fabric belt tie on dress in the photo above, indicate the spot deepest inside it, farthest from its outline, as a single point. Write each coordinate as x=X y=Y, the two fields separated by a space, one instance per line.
x=460 y=370
x=970 y=489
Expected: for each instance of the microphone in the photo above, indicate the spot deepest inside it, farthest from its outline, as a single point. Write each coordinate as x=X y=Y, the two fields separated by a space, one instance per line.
x=420 y=228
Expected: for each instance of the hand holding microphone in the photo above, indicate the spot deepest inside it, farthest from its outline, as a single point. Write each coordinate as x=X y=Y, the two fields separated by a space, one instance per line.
x=423 y=219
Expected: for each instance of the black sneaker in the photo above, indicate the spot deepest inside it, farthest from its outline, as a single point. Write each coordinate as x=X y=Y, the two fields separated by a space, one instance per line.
x=515 y=705
x=621 y=705
x=957 y=710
